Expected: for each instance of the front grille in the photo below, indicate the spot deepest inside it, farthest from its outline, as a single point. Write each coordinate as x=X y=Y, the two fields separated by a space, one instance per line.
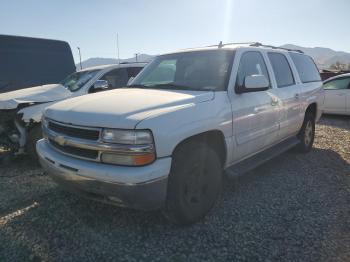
x=79 y=152
x=74 y=131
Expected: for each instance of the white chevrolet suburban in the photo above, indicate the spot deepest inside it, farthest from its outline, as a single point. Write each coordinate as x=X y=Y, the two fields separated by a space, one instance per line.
x=21 y=110
x=164 y=141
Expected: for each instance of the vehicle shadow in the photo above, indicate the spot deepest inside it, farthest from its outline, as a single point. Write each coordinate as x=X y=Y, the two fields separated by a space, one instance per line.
x=291 y=201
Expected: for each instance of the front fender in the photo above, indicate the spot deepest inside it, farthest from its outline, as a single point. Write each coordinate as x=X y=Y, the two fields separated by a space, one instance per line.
x=171 y=128
x=34 y=112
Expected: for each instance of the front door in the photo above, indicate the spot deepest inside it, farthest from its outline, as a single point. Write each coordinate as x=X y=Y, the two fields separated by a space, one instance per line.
x=255 y=114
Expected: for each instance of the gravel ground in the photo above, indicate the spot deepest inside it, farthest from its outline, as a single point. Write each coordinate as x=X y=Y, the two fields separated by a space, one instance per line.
x=293 y=208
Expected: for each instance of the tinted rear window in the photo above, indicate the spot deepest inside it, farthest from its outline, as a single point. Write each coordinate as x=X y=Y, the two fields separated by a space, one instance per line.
x=306 y=68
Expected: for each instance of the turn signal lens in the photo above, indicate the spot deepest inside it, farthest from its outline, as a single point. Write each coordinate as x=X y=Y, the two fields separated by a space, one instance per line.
x=128 y=160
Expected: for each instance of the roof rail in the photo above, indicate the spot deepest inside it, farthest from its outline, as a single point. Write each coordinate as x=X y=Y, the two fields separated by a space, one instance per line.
x=220 y=45
x=243 y=43
x=253 y=44
x=138 y=62
x=257 y=44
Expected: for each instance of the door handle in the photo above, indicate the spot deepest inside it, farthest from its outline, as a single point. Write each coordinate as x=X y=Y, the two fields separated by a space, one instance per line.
x=274 y=101
x=340 y=94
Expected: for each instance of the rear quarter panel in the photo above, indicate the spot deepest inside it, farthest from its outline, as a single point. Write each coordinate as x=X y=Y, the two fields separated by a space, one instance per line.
x=312 y=93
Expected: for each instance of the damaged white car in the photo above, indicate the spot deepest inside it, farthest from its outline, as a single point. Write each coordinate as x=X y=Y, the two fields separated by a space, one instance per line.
x=21 y=110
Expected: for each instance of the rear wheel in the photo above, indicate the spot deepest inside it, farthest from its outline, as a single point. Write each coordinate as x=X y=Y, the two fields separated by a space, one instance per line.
x=34 y=135
x=307 y=133
x=194 y=183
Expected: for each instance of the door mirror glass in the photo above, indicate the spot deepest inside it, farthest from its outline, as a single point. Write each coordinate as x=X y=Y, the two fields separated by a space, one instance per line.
x=256 y=82
x=100 y=85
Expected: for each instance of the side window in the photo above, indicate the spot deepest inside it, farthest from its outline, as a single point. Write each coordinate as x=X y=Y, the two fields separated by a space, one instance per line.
x=306 y=68
x=116 y=78
x=283 y=72
x=342 y=83
x=252 y=63
x=133 y=71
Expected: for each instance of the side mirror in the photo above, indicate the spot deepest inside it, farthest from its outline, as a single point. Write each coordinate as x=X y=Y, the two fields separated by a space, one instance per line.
x=100 y=85
x=256 y=83
x=130 y=80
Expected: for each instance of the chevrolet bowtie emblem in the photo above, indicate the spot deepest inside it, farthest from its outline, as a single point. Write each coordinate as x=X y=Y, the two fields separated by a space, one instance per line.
x=60 y=140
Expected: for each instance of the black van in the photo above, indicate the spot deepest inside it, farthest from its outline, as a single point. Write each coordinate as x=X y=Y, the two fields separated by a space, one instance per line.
x=27 y=62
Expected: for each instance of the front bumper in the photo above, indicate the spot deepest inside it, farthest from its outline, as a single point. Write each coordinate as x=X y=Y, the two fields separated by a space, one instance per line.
x=136 y=187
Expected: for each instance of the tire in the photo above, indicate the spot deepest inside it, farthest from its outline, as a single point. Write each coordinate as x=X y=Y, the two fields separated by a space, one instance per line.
x=194 y=183
x=307 y=134
x=34 y=135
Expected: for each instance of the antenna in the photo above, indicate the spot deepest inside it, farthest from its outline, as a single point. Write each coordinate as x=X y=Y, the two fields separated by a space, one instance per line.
x=220 y=45
x=118 y=48
x=80 y=58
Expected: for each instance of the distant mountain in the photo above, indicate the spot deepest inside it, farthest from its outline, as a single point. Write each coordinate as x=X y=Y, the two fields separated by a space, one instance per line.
x=324 y=57
x=95 y=61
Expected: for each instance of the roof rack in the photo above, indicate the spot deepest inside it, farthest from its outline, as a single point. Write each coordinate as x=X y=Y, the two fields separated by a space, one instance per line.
x=253 y=44
x=138 y=62
x=220 y=45
x=257 y=44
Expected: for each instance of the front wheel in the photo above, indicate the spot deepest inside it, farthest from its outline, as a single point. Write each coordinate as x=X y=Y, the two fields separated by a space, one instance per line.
x=307 y=134
x=194 y=183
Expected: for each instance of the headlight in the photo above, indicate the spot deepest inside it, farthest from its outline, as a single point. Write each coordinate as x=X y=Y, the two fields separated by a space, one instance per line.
x=128 y=137
x=137 y=150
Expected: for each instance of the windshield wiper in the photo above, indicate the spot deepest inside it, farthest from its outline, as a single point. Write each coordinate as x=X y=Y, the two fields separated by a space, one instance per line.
x=137 y=86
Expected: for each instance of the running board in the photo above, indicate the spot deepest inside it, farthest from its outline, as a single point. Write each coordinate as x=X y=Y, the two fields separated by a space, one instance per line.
x=260 y=158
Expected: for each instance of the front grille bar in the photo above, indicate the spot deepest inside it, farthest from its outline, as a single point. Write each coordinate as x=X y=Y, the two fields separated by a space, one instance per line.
x=64 y=143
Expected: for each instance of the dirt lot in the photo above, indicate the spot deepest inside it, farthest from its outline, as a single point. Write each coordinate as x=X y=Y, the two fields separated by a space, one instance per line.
x=293 y=208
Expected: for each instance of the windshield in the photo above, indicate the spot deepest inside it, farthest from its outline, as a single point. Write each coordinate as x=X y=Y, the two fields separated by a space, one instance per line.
x=77 y=80
x=199 y=70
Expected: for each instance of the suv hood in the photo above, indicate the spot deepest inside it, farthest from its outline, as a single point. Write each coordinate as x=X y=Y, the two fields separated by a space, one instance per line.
x=38 y=94
x=123 y=108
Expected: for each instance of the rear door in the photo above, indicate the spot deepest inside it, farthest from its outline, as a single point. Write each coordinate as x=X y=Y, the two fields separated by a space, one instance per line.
x=255 y=114
x=288 y=91
x=337 y=95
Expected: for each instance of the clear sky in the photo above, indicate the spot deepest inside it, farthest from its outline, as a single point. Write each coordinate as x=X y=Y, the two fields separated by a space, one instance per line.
x=157 y=26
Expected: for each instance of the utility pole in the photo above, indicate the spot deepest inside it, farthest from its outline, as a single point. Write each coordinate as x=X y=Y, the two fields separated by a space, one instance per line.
x=118 y=48
x=80 y=57
x=136 y=54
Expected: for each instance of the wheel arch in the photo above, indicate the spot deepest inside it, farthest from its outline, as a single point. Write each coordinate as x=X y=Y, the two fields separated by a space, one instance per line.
x=311 y=109
x=213 y=138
